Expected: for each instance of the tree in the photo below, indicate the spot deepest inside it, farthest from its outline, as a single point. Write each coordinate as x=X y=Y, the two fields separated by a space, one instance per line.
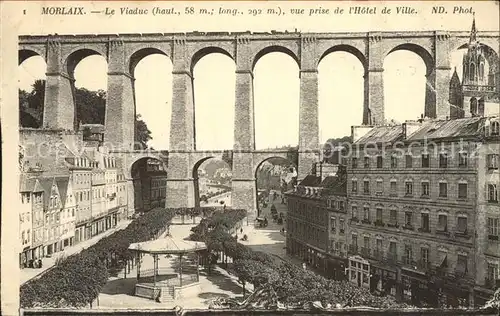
x=330 y=153
x=90 y=109
x=142 y=133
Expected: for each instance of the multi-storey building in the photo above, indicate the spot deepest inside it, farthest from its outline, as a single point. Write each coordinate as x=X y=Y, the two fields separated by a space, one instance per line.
x=57 y=170
x=316 y=222
x=81 y=177
x=121 y=184
x=487 y=225
x=52 y=215
x=414 y=194
x=98 y=199
x=67 y=218
x=105 y=185
x=149 y=178
x=25 y=219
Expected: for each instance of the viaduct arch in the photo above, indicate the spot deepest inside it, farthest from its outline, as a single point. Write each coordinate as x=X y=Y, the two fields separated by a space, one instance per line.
x=124 y=51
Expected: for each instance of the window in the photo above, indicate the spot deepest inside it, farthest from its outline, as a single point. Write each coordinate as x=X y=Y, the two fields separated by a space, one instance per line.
x=392 y=248
x=366 y=213
x=462 y=160
x=492 y=273
x=408 y=188
x=443 y=189
x=394 y=161
x=408 y=254
x=462 y=224
x=354 y=212
x=333 y=223
x=354 y=240
x=367 y=162
x=380 y=187
x=408 y=219
x=495 y=128
x=409 y=161
x=354 y=186
x=462 y=190
x=354 y=162
x=379 y=214
x=492 y=161
x=443 y=223
x=493 y=225
x=443 y=160
x=425 y=222
x=492 y=193
x=424 y=255
x=366 y=186
x=461 y=264
x=394 y=188
x=394 y=217
x=378 y=246
x=380 y=162
x=425 y=189
x=366 y=242
x=341 y=226
x=425 y=161
x=341 y=205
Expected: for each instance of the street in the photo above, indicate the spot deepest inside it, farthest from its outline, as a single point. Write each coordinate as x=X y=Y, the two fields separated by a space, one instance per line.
x=30 y=273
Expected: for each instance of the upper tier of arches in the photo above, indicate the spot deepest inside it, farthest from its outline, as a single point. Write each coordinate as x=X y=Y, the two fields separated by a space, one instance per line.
x=307 y=51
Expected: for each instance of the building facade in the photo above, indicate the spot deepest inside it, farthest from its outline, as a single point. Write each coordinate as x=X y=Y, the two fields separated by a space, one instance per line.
x=68 y=213
x=57 y=188
x=414 y=196
x=316 y=223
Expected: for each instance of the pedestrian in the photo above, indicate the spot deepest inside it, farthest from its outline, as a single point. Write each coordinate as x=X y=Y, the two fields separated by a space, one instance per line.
x=241 y=230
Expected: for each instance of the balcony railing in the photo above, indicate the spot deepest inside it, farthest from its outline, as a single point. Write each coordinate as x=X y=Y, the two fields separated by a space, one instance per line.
x=379 y=222
x=479 y=88
x=393 y=225
x=493 y=237
x=462 y=234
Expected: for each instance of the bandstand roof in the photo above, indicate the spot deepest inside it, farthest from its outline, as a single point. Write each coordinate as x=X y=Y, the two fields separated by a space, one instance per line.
x=167 y=245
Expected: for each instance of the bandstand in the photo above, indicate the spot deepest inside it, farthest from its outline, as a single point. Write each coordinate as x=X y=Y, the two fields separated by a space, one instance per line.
x=168 y=283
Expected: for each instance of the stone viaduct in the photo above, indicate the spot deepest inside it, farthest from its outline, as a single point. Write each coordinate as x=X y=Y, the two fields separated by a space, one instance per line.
x=122 y=52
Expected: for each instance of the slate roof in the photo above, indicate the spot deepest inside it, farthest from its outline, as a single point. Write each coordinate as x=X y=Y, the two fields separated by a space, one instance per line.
x=46 y=184
x=62 y=185
x=310 y=181
x=464 y=127
x=382 y=134
x=334 y=185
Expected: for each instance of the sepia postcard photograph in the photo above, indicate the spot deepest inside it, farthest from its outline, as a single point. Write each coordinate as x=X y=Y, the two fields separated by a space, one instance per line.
x=250 y=158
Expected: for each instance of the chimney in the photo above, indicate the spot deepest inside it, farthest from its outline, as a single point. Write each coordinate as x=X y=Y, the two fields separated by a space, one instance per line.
x=410 y=127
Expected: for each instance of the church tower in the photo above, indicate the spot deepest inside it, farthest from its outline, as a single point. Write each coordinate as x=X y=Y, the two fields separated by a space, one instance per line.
x=478 y=84
x=456 y=97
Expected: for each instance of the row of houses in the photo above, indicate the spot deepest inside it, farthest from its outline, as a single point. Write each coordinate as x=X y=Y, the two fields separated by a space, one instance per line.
x=411 y=210
x=70 y=191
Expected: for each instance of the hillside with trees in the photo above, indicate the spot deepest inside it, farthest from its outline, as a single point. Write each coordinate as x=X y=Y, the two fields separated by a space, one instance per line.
x=90 y=109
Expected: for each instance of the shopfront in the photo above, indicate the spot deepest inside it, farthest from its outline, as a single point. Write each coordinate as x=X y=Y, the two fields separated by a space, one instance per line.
x=336 y=268
x=359 y=271
x=417 y=290
x=383 y=280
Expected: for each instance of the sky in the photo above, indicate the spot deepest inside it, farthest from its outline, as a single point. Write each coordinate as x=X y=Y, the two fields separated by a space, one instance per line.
x=276 y=75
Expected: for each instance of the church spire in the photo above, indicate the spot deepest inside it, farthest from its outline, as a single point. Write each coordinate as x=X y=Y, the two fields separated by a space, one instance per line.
x=473 y=31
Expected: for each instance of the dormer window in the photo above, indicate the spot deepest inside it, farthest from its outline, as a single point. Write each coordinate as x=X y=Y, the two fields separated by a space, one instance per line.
x=495 y=128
